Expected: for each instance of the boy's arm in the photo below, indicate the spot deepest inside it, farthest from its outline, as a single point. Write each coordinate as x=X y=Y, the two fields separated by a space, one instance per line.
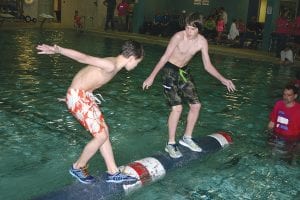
x=212 y=70
x=76 y=55
x=271 y=125
x=163 y=60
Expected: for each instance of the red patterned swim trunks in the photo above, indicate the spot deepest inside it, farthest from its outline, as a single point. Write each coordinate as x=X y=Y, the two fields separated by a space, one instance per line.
x=84 y=108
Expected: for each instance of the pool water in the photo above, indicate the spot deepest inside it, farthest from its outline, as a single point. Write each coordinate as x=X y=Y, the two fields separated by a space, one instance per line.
x=40 y=140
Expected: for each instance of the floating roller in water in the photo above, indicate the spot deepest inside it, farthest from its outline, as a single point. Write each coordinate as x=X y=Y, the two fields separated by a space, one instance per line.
x=147 y=170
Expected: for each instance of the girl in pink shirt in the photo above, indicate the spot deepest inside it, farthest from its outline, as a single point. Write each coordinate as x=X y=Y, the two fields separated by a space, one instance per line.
x=220 y=27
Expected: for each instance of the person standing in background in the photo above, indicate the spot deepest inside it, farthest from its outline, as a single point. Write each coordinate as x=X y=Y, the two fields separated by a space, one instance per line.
x=296 y=34
x=78 y=25
x=111 y=6
x=224 y=15
x=130 y=17
x=282 y=32
x=220 y=28
x=123 y=8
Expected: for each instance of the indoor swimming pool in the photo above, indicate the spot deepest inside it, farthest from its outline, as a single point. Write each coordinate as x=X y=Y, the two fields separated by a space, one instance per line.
x=40 y=139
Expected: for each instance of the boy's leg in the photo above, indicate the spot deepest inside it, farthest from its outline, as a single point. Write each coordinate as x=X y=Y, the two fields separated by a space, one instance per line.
x=173 y=122
x=192 y=118
x=190 y=93
x=187 y=140
x=113 y=174
x=79 y=168
x=108 y=156
x=90 y=149
x=172 y=147
x=170 y=84
x=93 y=120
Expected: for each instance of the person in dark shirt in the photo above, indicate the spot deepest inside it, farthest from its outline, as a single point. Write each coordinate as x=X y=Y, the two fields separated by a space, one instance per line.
x=252 y=32
x=111 y=6
x=123 y=8
x=282 y=32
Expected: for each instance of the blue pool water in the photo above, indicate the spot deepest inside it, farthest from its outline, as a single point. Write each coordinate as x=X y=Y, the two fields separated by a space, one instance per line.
x=39 y=139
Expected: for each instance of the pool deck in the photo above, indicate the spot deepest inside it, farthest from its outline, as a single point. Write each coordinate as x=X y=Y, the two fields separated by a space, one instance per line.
x=258 y=55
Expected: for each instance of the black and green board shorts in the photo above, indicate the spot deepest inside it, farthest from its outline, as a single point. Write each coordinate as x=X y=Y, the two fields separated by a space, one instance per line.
x=178 y=85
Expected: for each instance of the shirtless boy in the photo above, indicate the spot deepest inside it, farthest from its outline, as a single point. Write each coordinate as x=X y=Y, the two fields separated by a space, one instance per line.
x=178 y=83
x=82 y=104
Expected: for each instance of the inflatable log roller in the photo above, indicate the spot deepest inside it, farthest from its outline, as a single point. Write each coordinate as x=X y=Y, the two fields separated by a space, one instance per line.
x=147 y=170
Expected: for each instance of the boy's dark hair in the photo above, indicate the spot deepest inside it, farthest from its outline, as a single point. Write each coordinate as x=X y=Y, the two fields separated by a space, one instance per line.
x=194 y=20
x=291 y=87
x=132 y=48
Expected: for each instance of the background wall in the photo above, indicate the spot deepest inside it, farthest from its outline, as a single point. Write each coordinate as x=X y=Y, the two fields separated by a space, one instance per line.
x=31 y=9
x=148 y=8
x=93 y=11
x=234 y=9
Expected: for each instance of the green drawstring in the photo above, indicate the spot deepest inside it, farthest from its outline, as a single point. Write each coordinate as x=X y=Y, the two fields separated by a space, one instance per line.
x=182 y=73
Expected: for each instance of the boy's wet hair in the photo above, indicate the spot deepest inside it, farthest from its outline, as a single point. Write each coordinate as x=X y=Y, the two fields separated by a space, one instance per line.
x=132 y=48
x=291 y=87
x=195 y=20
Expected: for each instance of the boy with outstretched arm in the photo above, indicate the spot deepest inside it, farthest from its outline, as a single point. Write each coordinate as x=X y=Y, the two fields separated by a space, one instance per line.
x=83 y=104
x=178 y=83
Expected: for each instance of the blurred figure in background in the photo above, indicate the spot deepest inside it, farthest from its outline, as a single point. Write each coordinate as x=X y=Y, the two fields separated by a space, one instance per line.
x=123 y=8
x=111 y=6
x=286 y=56
x=78 y=24
x=220 y=28
x=282 y=32
x=233 y=31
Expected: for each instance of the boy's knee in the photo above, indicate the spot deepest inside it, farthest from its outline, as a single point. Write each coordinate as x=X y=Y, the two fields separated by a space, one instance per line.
x=196 y=106
x=103 y=136
x=177 y=108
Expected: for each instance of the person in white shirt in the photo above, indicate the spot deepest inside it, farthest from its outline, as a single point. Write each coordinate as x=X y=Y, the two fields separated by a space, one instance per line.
x=234 y=31
x=287 y=56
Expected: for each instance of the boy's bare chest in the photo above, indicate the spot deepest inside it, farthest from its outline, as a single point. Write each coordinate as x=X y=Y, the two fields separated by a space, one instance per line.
x=187 y=47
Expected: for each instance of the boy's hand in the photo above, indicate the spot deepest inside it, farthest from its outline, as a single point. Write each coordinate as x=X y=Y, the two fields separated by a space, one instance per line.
x=229 y=84
x=46 y=49
x=147 y=83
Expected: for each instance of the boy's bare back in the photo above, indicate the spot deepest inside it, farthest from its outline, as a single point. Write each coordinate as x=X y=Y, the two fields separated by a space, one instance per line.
x=90 y=78
x=98 y=70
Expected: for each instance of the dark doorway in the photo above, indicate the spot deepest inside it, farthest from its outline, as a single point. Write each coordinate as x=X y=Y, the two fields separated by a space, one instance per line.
x=57 y=10
x=253 y=9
